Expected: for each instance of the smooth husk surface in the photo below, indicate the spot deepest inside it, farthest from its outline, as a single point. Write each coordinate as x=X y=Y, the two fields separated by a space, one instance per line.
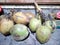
x=19 y=31
x=34 y=23
x=43 y=34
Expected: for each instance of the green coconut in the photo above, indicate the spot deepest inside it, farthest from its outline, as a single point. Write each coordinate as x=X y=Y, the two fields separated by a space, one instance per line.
x=19 y=32
x=34 y=23
x=43 y=34
x=51 y=25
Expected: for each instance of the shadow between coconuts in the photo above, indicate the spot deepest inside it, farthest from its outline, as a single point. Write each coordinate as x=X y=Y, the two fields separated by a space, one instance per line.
x=6 y=34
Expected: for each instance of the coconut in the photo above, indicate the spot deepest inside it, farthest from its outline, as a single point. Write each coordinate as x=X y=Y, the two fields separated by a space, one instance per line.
x=43 y=34
x=29 y=15
x=34 y=23
x=5 y=25
x=20 y=18
x=51 y=25
x=19 y=32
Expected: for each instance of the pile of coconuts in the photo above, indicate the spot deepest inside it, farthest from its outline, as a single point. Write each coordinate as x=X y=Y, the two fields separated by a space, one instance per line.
x=18 y=25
